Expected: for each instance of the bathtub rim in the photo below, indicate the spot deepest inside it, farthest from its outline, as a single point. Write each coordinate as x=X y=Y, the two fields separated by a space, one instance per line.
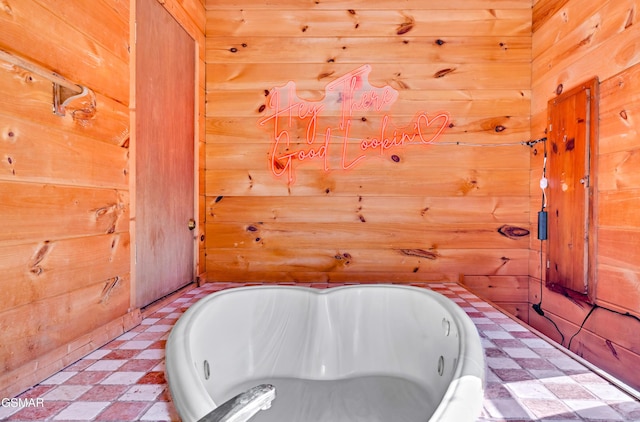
x=463 y=397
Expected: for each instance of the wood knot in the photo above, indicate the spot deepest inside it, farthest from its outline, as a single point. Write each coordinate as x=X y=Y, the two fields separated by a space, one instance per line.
x=612 y=349
x=6 y=8
x=109 y=287
x=9 y=135
x=513 y=232
x=324 y=75
x=468 y=185
x=34 y=265
x=629 y=21
x=420 y=253
x=405 y=27
x=444 y=72
x=345 y=257
x=278 y=165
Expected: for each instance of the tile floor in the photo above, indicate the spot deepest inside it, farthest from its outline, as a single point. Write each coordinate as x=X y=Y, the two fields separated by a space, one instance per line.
x=528 y=378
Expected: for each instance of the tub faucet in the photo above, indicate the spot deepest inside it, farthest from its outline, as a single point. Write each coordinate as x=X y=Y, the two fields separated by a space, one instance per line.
x=243 y=406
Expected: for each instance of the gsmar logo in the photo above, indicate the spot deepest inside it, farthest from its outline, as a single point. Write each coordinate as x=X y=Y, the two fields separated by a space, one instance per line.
x=19 y=402
x=305 y=131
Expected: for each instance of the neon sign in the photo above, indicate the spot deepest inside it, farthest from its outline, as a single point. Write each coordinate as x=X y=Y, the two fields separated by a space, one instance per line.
x=343 y=98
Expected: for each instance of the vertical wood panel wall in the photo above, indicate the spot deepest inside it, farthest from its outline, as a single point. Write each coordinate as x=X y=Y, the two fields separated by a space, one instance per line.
x=573 y=41
x=419 y=213
x=65 y=244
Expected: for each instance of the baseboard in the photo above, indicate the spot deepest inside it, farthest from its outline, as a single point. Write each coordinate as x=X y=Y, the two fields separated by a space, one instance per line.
x=32 y=373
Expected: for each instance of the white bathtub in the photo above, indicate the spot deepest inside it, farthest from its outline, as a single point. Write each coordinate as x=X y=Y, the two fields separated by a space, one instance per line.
x=365 y=353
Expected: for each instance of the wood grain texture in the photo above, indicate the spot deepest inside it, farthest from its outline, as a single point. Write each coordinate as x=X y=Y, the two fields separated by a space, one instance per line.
x=56 y=212
x=619 y=111
x=375 y=264
x=39 y=271
x=464 y=130
x=500 y=289
x=269 y=236
x=368 y=23
x=449 y=182
x=415 y=157
x=32 y=373
x=47 y=324
x=509 y=293
x=573 y=50
x=312 y=5
x=543 y=11
x=606 y=338
x=165 y=154
x=343 y=209
x=607 y=353
x=399 y=49
x=484 y=103
x=28 y=97
x=572 y=42
x=66 y=157
x=104 y=70
x=437 y=203
x=65 y=182
x=454 y=74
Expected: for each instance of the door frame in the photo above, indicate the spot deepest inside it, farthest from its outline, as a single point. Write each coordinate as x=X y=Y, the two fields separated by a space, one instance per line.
x=590 y=89
x=176 y=9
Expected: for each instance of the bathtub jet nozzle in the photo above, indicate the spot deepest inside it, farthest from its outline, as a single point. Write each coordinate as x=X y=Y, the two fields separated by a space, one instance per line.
x=243 y=406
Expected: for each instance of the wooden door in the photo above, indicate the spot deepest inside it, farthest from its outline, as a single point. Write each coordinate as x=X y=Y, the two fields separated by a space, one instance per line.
x=164 y=153
x=571 y=150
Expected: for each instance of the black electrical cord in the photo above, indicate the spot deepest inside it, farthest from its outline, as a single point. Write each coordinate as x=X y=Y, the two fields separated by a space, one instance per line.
x=538 y=306
x=628 y=314
x=557 y=329
x=542 y=235
x=581 y=325
x=584 y=321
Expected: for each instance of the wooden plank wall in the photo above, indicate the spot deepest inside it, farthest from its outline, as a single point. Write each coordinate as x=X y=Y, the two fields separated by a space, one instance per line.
x=64 y=231
x=65 y=243
x=421 y=213
x=574 y=41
